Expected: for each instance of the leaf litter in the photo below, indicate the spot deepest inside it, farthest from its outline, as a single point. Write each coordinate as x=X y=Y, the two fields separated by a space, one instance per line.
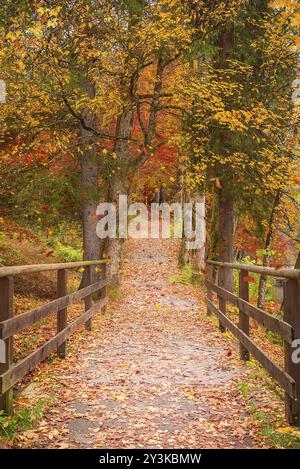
x=154 y=372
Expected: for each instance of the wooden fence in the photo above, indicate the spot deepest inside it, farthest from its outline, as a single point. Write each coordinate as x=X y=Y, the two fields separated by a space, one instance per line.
x=288 y=328
x=11 y=373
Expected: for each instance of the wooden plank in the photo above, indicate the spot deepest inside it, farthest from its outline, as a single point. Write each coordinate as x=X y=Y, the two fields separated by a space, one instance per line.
x=29 y=269
x=283 y=378
x=285 y=273
x=291 y=315
x=19 y=323
x=243 y=318
x=6 y=311
x=231 y=297
x=62 y=313
x=25 y=366
x=282 y=328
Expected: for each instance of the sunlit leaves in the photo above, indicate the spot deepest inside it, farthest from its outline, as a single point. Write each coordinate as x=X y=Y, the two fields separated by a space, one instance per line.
x=241 y=117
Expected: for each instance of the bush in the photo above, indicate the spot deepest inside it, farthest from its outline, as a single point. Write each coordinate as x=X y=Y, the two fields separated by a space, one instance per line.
x=68 y=253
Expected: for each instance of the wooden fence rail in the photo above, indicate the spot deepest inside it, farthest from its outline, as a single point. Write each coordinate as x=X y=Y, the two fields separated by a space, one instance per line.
x=11 y=373
x=288 y=328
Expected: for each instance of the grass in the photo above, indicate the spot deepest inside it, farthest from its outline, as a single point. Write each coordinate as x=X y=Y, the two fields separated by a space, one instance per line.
x=115 y=294
x=68 y=253
x=284 y=437
x=185 y=276
x=29 y=342
x=20 y=421
x=258 y=374
x=276 y=437
x=275 y=338
x=244 y=389
x=64 y=240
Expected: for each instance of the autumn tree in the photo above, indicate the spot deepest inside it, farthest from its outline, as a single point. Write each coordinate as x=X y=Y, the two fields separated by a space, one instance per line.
x=77 y=76
x=240 y=124
x=92 y=78
x=97 y=80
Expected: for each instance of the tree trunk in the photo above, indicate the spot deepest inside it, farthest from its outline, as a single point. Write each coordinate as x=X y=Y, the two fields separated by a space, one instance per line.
x=115 y=246
x=226 y=223
x=262 y=287
x=89 y=179
x=119 y=184
x=226 y=234
x=297 y=263
x=214 y=221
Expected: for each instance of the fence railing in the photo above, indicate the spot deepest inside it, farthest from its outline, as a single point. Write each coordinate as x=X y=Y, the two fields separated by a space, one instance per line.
x=288 y=328
x=10 y=372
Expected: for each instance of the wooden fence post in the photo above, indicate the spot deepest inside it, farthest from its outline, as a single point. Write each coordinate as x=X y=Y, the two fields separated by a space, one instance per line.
x=292 y=316
x=103 y=293
x=88 y=301
x=210 y=277
x=62 y=315
x=222 y=301
x=6 y=312
x=243 y=318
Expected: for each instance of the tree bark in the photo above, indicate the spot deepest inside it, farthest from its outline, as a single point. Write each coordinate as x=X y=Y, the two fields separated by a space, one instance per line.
x=226 y=235
x=197 y=258
x=226 y=223
x=262 y=287
x=297 y=263
x=119 y=184
x=89 y=180
x=214 y=222
x=115 y=246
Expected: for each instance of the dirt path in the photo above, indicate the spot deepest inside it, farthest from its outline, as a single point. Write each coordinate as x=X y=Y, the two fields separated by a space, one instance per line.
x=153 y=374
